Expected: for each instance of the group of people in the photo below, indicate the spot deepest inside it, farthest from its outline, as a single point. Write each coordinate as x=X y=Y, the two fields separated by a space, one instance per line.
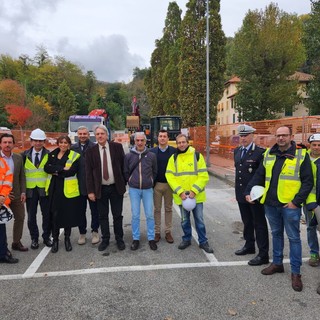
x=62 y=182
x=289 y=175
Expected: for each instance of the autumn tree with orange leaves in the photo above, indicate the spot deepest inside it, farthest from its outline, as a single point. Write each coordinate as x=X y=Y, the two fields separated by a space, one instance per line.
x=18 y=115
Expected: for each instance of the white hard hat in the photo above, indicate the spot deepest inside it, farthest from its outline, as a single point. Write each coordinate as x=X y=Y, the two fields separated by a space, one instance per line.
x=314 y=137
x=5 y=214
x=38 y=134
x=256 y=192
x=189 y=204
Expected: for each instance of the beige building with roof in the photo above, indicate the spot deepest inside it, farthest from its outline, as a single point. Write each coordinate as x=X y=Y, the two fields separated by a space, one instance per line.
x=226 y=113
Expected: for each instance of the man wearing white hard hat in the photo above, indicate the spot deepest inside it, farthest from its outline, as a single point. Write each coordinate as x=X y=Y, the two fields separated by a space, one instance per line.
x=247 y=158
x=187 y=176
x=34 y=160
x=312 y=208
x=286 y=174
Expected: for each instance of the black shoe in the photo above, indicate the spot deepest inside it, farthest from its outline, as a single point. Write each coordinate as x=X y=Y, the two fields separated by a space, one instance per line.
x=8 y=258
x=67 y=244
x=135 y=245
x=34 y=244
x=55 y=246
x=258 y=261
x=153 y=245
x=184 y=244
x=205 y=246
x=47 y=242
x=103 y=245
x=121 y=245
x=243 y=251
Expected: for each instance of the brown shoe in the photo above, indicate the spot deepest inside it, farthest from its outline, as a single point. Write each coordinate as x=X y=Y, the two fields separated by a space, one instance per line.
x=169 y=237
x=157 y=237
x=273 y=268
x=296 y=282
x=18 y=247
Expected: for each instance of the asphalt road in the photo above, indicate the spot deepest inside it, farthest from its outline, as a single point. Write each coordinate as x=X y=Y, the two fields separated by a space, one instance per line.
x=165 y=284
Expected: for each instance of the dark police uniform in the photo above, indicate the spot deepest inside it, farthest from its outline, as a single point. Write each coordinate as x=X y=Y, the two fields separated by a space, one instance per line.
x=252 y=215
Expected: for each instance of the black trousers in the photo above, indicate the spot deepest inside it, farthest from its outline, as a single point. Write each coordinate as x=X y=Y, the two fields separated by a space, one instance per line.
x=32 y=207
x=3 y=241
x=255 y=227
x=109 y=194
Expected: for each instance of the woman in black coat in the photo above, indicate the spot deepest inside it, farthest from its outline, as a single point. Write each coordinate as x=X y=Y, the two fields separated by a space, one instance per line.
x=63 y=191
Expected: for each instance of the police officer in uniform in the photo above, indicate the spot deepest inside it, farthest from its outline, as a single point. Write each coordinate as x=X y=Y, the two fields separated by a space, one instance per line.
x=247 y=158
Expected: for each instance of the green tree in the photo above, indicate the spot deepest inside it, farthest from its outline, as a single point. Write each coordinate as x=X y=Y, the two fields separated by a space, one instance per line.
x=171 y=35
x=67 y=105
x=192 y=66
x=266 y=51
x=311 y=40
x=163 y=73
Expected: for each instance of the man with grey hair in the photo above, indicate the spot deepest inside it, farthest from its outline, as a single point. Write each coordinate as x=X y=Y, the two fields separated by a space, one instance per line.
x=140 y=171
x=106 y=184
x=82 y=146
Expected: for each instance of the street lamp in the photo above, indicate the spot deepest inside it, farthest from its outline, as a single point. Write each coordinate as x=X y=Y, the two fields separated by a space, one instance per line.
x=207 y=102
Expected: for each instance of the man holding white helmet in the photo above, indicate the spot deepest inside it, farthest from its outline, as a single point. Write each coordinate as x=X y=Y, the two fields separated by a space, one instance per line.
x=5 y=189
x=34 y=160
x=187 y=176
x=247 y=158
x=286 y=174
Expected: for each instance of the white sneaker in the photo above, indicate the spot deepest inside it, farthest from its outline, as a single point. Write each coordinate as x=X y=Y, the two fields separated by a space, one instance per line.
x=82 y=239
x=95 y=238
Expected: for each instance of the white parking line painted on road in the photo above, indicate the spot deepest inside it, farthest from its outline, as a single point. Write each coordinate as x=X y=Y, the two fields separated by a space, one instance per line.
x=36 y=263
x=211 y=257
x=156 y=267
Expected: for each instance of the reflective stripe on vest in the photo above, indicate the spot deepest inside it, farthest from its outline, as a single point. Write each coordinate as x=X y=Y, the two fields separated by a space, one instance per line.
x=35 y=177
x=70 y=186
x=289 y=179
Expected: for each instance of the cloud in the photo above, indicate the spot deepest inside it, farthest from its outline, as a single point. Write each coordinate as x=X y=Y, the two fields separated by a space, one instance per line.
x=108 y=56
x=16 y=17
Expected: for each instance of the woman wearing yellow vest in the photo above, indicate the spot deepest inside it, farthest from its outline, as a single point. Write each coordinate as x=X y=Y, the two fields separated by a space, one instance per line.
x=63 y=190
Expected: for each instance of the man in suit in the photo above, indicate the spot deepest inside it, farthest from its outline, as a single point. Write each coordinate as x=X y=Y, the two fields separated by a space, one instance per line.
x=82 y=146
x=34 y=160
x=18 y=194
x=106 y=184
x=247 y=158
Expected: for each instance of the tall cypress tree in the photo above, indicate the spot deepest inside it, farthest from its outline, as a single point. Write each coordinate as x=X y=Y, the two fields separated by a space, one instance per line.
x=192 y=66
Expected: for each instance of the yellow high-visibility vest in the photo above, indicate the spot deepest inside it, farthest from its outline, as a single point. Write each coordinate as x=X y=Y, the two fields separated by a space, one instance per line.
x=71 y=185
x=35 y=177
x=289 y=182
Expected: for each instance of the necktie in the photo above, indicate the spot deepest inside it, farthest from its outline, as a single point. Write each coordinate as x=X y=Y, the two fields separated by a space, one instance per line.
x=243 y=153
x=105 y=164
x=37 y=160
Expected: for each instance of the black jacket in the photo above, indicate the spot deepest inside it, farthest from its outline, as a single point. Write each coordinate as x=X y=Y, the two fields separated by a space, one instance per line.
x=246 y=168
x=82 y=164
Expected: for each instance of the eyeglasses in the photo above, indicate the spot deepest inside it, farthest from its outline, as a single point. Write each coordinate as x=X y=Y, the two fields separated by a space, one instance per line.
x=282 y=135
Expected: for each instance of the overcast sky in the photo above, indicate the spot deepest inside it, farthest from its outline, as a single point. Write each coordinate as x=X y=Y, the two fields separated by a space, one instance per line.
x=110 y=37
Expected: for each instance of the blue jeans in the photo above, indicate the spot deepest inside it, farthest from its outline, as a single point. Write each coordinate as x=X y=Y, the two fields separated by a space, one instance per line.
x=311 y=233
x=199 y=223
x=281 y=218
x=146 y=195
